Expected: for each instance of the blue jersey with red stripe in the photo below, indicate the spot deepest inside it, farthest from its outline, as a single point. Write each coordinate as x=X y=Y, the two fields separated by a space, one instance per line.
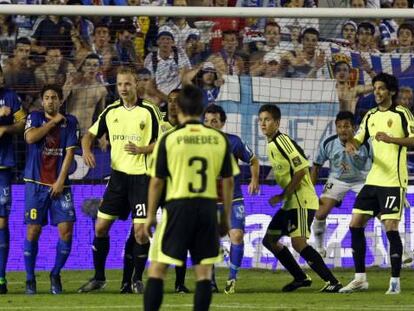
x=45 y=158
x=241 y=151
x=10 y=99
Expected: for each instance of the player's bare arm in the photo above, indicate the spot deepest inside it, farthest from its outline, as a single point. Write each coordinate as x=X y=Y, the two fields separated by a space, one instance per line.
x=290 y=188
x=34 y=134
x=401 y=141
x=352 y=146
x=88 y=156
x=254 y=171
x=57 y=187
x=228 y=187
x=314 y=173
x=156 y=187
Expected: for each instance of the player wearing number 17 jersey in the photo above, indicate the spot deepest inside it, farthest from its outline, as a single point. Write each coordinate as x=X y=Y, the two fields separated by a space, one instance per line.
x=390 y=128
x=188 y=161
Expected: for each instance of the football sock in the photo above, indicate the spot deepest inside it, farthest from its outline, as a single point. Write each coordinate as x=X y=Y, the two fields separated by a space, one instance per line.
x=128 y=259
x=4 y=250
x=396 y=250
x=153 y=294
x=213 y=276
x=315 y=261
x=62 y=253
x=236 y=257
x=286 y=258
x=180 y=275
x=318 y=229
x=30 y=254
x=100 y=252
x=202 y=297
x=358 y=244
x=140 y=259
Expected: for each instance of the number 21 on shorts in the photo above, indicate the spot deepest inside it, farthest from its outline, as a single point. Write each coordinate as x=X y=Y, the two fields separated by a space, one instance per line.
x=140 y=210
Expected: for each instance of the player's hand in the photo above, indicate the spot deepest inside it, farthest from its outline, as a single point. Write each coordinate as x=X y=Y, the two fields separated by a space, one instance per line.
x=224 y=225
x=381 y=136
x=2 y=131
x=56 y=189
x=5 y=111
x=254 y=187
x=350 y=148
x=89 y=159
x=275 y=199
x=58 y=118
x=131 y=148
x=151 y=222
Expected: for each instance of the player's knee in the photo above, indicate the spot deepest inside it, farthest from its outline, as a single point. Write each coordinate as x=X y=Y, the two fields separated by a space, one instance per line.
x=101 y=229
x=3 y=222
x=299 y=244
x=66 y=236
x=236 y=236
x=33 y=232
x=321 y=214
x=140 y=236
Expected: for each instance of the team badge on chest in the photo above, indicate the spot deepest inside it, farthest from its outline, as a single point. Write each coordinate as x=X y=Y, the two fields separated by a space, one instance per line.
x=389 y=123
x=142 y=125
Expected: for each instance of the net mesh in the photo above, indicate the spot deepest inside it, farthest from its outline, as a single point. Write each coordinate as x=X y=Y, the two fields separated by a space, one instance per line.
x=310 y=68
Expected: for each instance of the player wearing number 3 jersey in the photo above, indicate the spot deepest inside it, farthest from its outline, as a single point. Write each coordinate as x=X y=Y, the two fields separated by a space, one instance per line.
x=188 y=161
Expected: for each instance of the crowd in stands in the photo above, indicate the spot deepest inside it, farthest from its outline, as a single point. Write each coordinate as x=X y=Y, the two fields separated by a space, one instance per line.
x=82 y=54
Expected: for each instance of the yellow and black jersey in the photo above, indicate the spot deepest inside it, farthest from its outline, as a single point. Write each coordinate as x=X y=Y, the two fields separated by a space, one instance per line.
x=389 y=166
x=191 y=158
x=287 y=158
x=138 y=124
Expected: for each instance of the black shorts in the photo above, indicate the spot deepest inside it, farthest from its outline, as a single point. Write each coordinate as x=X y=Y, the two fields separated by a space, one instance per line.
x=293 y=223
x=187 y=225
x=387 y=202
x=123 y=195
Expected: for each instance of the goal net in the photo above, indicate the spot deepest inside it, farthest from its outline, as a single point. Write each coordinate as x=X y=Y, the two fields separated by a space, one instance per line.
x=311 y=62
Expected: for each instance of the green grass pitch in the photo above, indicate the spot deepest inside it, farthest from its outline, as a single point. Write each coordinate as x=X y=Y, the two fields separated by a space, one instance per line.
x=256 y=290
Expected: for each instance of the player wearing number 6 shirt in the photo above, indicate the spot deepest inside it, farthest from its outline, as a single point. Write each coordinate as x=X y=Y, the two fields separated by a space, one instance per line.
x=132 y=128
x=52 y=139
x=188 y=161
x=294 y=218
x=390 y=128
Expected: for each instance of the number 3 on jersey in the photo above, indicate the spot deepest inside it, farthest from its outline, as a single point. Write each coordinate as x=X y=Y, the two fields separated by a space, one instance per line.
x=200 y=164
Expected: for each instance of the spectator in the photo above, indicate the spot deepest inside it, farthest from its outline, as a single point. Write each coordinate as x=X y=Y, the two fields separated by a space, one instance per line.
x=7 y=34
x=19 y=73
x=147 y=89
x=53 y=31
x=348 y=94
x=271 y=65
x=194 y=48
x=308 y=61
x=206 y=77
x=405 y=97
x=124 y=45
x=348 y=32
x=85 y=95
x=226 y=61
x=365 y=38
x=256 y=64
x=167 y=64
x=405 y=37
x=103 y=47
x=54 y=69
x=81 y=48
x=222 y=25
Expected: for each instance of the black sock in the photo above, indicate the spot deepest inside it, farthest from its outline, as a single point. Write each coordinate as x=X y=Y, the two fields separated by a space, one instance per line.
x=315 y=261
x=286 y=258
x=100 y=252
x=140 y=259
x=153 y=294
x=213 y=276
x=180 y=275
x=202 y=297
x=358 y=244
x=396 y=250
x=128 y=258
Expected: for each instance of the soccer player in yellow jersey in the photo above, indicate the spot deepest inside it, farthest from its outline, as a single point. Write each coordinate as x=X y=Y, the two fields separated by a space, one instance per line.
x=188 y=161
x=299 y=203
x=390 y=128
x=132 y=127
